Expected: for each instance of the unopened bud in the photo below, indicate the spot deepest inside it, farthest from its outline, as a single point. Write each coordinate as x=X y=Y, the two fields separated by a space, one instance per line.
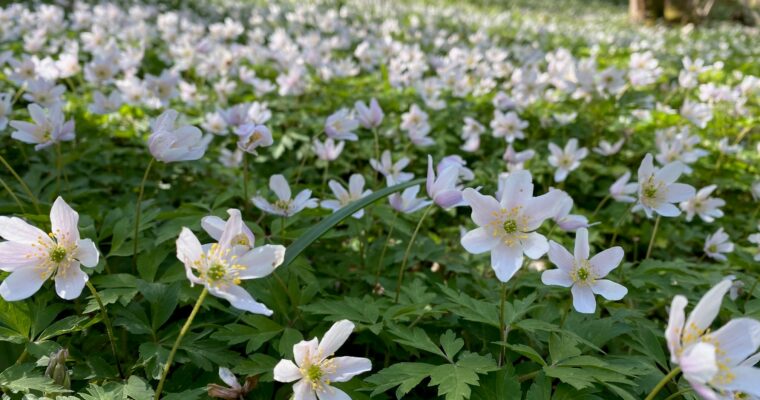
x=56 y=369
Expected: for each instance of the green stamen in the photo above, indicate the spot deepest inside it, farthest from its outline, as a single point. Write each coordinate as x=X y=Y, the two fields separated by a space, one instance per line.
x=57 y=254
x=216 y=272
x=314 y=373
x=510 y=226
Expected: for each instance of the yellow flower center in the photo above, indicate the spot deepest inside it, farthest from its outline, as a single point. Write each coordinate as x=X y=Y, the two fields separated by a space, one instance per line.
x=57 y=254
x=216 y=272
x=510 y=226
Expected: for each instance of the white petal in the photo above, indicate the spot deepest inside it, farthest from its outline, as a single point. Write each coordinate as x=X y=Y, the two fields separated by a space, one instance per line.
x=261 y=261
x=698 y=363
x=64 y=221
x=581 y=251
x=70 y=281
x=583 y=299
x=232 y=228
x=534 y=245
x=479 y=240
x=14 y=255
x=560 y=257
x=556 y=277
x=675 y=326
x=606 y=261
x=286 y=371
x=708 y=307
x=229 y=378
x=483 y=207
x=518 y=189
x=745 y=380
x=335 y=337
x=87 y=253
x=21 y=284
x=670 y=172
x=338 y=190
x=304 y=350
x=506 y=260
x=667 y=210
x=214 y=226
x=189 y=249
x=543 y=207
x=240 y=299
x=348 y=367
x=302 y=390
x=679 y=192
x=280 y=187
x=646 y=168
x=356 y=184
x=738 y=339
x=17 y=230
x=608 y=289
x=332 y=393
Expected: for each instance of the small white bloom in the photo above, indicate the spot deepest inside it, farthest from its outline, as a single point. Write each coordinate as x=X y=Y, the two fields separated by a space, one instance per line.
x=606 y=149
x=393 y=172
x=285 y=205
x=708 y=208
x=658 y=188
x=407 y=202
x=252 y=136
x=344 y=197
x=509 y=126
x=49 y=127
x=168 y=143
x=443 y=188
x=567 y=159
x=621 y=189
x=369 y=117
x=341 y=125
x=328 y=151
x=717 y=244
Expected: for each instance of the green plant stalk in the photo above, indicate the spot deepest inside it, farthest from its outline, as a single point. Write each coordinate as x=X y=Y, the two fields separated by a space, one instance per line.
x=651 y=239
x=182 y=333
x=109 y=327
x=663 y=382
x=28 y=191
x=502 y=323
x=10 y=192
x=408 y=249
x=245 y=182
x=601 y=203
x=138 y=212
x=385 y=247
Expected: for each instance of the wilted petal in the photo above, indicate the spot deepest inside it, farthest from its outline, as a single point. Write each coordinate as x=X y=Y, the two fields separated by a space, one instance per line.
x=229 y=378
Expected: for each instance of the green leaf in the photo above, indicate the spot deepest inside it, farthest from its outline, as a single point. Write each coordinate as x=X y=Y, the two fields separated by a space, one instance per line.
x=451 y=344
x=470 y=308
x=15 y=323
x=257 y=364
x=308 y=237
x=137 y=389
x=527 y=351
x=404 y=375
x=498 y=385
x=454 y=380
x=562 y=347
x=163 y=300
x=416 y=338
x=67 y=325
x=23 y=378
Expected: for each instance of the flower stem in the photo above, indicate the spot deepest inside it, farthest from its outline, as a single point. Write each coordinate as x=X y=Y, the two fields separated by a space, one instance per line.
x=245 y=181
x=138 y=212
x=385 y=247
x=502 y=323
x=408 y=249
x=10 y=192
x=109 y=327
x=181 y=335
x=651 y=240
x=601 y=203
x=663 y=382
x=28 y=191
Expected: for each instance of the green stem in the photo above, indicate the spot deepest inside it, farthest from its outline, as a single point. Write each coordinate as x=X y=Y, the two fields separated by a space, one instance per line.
x=385 y=247
x=28 y=191
x=679 y=393
x=601 y=203
x=651 y=239
x=182 y=333
x=245 y=182
x=324 y=178
x=502 y=323
x=138 y=212
x=24 y=355
x=408 y=249
x=663 y=382
x=10 y=192
x=109 y=327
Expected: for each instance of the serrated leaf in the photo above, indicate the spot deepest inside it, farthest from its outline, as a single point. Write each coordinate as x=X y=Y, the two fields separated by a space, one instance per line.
x=416 y=338
x=23 y=378
x=137 y=389
x=404 y=375
x=451 y=344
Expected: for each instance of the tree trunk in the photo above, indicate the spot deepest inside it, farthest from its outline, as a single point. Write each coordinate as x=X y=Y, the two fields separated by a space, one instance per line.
x=645 y=11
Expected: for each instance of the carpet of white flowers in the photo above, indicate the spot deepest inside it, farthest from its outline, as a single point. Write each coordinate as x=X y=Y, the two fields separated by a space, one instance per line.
x=376 y=200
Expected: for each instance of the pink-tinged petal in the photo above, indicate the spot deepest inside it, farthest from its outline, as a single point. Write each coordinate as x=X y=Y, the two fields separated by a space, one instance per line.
x=704 y=391
x=543 y=207
x=189 y=249
x=22 y=283
x=506 y=260
x=214 y=226
x=479 y=240
x=240 y=299
x=332 y=393
x=261 y=261
x=518 y=189
x=229 y=378
x=707 y=309
x=280 y=187
x=14 y=255
x=667 y=210
x=670 y=172
x=430 y=179
x=304 y=350
x=738 y=339
x=335 y=337
x=447 y=180
x=646 y=169
x=64 y=221
x=348 y=367
x=679 y=192
x=448 y=198
x=356 y=184
x=608 y=289
x=17 y=230
x=675 y=326
x=745 y=380
x=483 y=207
x=302 y=390
x=581 y=251
x=583 y=299
x=534 y=245
x=286 y=371
x=606 y=261
x=556 y=277
x=87 y=253
x=70 y=281
x=698 y=363
x=560 y=257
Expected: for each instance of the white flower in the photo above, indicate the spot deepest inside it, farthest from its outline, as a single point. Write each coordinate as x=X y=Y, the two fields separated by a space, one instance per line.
x=223 y=265
x=563 y=218
x=443 y=188
x=215 y=226
x=315 y=368
x=341 y=125
x=714 y=361
x=658 y=188
x=621 y=189
x=407 y=202
x=509 y=126
x=214 y=122
x=49 y=127
x=369 y=117
x=507 y=227
x=328 y=151
x=45 y=93
x=606 y=149
x=755 y=238
x=393 y=172
x=471 y=134
x=708 y=208
x=169 y=144
x=415 y=123
x=717 y=244
x=32 y=256
x=584 y=275
x=344 y=197
x=6 y=108
x=285 y=205
x=727 y=148
x=566 y=160
x=252 y=136
x=102 y=105
x=516 y=160
x=231 y=159
x=698 y=113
